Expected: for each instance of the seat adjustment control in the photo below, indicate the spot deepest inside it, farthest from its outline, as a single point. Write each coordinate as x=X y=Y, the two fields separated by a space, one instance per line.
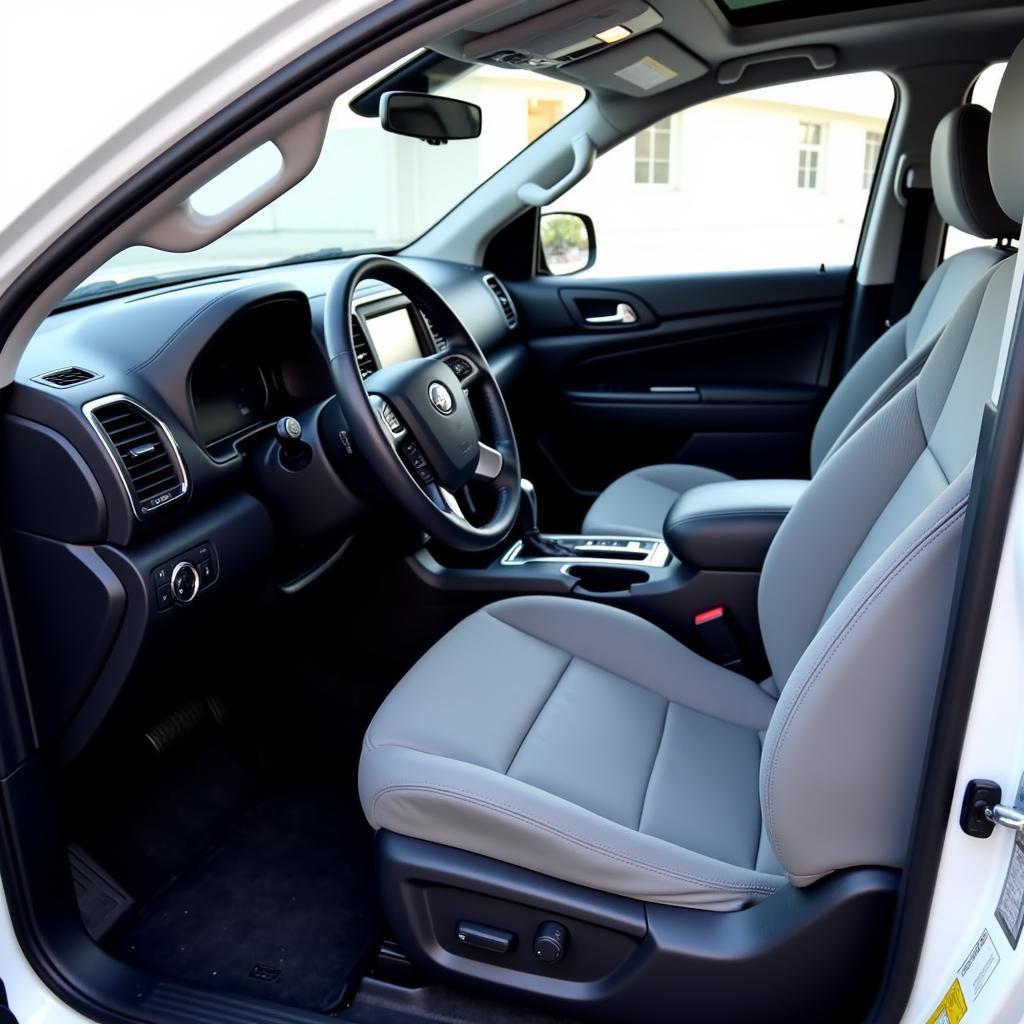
x=551 y=942
x=482 y=936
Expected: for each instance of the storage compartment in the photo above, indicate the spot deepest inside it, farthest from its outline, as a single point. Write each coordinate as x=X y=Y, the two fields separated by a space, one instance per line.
x=730 y=525
x=606 y=579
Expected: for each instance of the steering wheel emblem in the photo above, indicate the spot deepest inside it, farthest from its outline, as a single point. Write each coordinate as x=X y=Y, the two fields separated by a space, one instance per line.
x=441 y=398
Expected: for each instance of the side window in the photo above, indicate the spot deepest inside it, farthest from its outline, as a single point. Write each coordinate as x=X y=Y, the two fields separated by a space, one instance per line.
x=986 y=85
x=872 y=151
x=808 y=173
x=776 y=177
x=652 y=154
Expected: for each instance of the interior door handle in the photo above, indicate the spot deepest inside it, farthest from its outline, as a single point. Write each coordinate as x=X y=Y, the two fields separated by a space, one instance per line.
x=624 y=314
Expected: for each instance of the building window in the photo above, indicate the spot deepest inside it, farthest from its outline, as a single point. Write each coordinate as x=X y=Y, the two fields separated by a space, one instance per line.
x=542 y=115
x=872 y=149
x=808 y=173
x=653 y=155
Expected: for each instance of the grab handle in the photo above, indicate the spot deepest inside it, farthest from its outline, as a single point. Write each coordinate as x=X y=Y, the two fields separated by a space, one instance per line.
x=584 y=152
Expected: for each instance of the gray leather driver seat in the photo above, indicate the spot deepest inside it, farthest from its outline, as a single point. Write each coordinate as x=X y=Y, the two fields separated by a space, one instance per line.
x=585 y=744
x=637 y=503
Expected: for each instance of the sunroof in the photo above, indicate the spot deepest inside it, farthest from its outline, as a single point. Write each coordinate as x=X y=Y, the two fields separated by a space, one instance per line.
x=758 y=12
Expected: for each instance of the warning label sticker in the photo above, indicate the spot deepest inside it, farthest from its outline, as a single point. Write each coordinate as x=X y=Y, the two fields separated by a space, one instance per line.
x=952 y=1008
x=978 y=967
x=647 y=73
x=974 y=972
x=1010 y=908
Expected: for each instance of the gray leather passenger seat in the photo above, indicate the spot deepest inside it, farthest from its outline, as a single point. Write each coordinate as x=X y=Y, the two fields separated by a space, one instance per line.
x=637 y=503
x=583 y=743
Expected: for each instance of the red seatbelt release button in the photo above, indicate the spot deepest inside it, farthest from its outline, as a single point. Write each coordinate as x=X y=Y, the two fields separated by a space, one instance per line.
x=717 y=637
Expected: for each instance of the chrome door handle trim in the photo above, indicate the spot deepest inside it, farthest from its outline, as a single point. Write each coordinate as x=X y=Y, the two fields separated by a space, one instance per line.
x=624 y=314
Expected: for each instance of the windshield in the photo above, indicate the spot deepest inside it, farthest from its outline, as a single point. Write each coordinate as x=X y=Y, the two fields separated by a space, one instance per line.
x=369 y=191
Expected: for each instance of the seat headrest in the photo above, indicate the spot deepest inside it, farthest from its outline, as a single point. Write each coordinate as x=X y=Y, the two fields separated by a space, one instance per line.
x=1006 y=139
x=960 y=178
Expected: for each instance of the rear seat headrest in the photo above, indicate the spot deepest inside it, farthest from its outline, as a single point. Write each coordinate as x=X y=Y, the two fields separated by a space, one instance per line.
x=1006 y=139
x=960 y=176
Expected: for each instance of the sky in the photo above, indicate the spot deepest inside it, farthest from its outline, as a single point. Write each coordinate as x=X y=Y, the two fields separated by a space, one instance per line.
x=73 y=71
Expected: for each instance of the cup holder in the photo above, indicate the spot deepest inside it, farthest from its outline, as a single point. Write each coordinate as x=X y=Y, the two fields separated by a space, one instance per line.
x=606 y=579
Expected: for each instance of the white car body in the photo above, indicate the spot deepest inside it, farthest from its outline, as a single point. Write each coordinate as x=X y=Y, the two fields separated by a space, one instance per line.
x=972 y=871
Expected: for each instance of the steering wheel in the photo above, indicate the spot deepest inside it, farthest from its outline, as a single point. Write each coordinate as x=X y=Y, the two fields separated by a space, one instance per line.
x=413 y=422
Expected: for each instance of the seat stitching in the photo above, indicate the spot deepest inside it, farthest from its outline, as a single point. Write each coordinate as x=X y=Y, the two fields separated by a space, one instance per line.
x=946 y=523
x=547 y=700
x=474 y=798
x=738 y=513
x=654 y=764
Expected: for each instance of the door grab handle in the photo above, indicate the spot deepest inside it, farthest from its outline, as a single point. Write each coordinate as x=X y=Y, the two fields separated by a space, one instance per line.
x=624 y=314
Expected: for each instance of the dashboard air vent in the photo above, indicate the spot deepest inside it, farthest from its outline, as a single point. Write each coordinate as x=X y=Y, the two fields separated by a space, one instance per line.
x=66 y=378
x=504 y=300
x=364 y=355
x=440 y=341
x=146 y=457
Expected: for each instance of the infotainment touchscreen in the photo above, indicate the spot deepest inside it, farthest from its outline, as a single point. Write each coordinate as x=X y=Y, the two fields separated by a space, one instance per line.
x=393 y=337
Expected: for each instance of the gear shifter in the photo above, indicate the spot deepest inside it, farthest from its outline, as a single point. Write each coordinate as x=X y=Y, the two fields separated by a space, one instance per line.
x=535 y=544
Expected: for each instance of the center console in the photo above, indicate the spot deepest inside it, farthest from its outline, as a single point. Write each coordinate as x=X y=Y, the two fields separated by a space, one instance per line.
x=699 y=582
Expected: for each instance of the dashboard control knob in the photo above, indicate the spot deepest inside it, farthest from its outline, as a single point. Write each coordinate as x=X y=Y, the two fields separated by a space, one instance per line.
x=294 y=453
x=551 y=942
x=289 y=430
x=184 y=582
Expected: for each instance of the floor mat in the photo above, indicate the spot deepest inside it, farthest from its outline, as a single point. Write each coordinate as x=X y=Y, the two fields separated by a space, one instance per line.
x=283 y=909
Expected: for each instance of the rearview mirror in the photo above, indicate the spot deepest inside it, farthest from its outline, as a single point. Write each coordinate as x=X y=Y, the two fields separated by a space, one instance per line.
x=434 y=119
x=567 y=243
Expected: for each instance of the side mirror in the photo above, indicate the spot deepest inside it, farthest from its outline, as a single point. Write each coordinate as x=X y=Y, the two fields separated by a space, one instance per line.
x=567 y=243
x=434 y=119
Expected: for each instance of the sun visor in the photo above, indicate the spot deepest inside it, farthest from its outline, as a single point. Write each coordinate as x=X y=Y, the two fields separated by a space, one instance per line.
x=639 y=67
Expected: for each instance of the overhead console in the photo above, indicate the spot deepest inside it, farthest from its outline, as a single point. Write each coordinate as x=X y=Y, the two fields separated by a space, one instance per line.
x=555 y=38
x=614 y=46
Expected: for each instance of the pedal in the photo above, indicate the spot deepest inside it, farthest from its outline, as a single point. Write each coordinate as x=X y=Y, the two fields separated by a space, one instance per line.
x=185 y=721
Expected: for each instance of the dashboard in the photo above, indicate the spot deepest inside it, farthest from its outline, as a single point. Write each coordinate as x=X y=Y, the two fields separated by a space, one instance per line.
x=143 y=478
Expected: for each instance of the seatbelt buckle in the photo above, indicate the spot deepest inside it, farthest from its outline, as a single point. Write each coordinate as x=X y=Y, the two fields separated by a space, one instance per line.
x=717 y=637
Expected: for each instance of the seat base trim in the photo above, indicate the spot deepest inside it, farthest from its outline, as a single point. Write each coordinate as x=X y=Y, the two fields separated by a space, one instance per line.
x=807 y=954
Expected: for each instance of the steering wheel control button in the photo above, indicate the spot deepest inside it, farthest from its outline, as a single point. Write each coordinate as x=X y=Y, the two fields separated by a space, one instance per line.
x=551 y=942
x=441 y=398
x=482 y=936
x=390 y=417
x=185 y=582
x=417 y=462
x=462 y=368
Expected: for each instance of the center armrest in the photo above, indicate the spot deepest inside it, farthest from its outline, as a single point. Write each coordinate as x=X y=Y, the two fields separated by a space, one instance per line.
x=729 y=525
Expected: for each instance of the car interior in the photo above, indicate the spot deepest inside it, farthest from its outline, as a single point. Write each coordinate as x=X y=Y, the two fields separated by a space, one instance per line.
x=437 y=632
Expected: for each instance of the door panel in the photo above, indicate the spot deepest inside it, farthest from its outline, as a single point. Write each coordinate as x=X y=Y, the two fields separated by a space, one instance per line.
x=723 y=370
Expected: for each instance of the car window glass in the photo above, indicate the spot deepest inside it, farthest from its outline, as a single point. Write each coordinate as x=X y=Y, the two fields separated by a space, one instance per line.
x=777 y=177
